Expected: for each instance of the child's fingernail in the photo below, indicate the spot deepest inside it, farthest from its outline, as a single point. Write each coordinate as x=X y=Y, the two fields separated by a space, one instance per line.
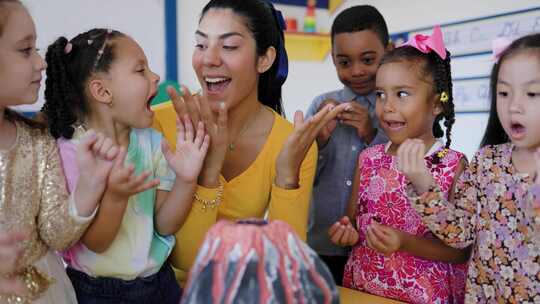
x=222 y=105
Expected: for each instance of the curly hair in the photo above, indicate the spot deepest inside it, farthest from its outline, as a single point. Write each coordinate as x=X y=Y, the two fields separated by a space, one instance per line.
x=440 y=72
x=67 y=73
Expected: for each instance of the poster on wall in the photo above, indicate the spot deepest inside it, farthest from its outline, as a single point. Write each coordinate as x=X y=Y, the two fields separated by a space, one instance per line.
x=471 y=94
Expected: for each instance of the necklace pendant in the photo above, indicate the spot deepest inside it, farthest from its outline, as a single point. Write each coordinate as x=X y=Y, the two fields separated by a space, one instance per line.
x=231 y=147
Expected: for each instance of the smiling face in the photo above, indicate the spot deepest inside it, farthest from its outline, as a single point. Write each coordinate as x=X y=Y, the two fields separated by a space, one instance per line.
x=356 y=57
x=518 y=98
x=21 y=66
x=132 y=84
x=225 y=58
x=406 y=106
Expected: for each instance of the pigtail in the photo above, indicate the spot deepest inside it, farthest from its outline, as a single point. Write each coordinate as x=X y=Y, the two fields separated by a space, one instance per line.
x=443 y=83
x=61 y=97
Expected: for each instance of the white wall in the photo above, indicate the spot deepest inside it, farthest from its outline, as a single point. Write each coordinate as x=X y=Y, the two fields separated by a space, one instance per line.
x=141 y=19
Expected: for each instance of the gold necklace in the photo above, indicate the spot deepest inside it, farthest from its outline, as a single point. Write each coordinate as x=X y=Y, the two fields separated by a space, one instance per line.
x=232 y=146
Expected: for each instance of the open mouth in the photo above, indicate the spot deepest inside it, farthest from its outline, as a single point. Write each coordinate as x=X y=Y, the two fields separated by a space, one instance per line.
x=217 y=85
x=517 y=130
x=394 y=125
x=149 y=101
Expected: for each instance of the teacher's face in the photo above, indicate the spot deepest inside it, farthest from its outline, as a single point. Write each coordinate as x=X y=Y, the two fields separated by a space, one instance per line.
x=225 y=59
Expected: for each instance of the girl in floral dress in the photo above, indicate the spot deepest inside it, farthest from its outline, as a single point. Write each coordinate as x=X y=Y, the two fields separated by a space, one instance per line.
x=496 y=207
x=394 y=254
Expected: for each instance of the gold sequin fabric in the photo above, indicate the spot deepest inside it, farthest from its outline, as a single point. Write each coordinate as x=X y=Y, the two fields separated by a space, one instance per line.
x=33 y=197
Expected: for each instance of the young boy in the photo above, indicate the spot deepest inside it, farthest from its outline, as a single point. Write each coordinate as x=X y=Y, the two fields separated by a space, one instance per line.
x=359 y=40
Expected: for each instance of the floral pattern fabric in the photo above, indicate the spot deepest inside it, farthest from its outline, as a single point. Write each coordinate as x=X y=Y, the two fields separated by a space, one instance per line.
x=382 y=196
x=496 y=209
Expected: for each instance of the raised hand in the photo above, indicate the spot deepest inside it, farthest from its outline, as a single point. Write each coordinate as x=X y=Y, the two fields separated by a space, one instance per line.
x=384 y=239
x=188 y=157
x=198 y=108
x=94 y=157
x=298 y=143
x=357 y=116
x=123 y=182
x=411 y=162
x=343 y=233
x=326 y=130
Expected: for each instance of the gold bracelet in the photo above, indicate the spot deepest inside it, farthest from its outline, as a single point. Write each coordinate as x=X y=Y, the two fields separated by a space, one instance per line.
x=210 y=204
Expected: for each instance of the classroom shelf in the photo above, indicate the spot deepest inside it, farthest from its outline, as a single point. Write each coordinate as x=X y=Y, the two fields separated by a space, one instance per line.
x=331 y=5
x=307 y=46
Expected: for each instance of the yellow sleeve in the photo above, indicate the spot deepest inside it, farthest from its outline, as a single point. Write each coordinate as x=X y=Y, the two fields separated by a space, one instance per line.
x=292 y=206
x=165 y=121
x=190 y=237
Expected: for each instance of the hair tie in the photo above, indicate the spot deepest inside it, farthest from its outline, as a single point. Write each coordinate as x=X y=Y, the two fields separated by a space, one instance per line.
x=68 y=48
x=498 y=46
x=426 y=44
x=283 y=64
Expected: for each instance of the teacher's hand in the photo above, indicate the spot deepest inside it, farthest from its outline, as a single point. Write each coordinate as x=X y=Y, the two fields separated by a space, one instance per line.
x=298 y=143
x=197 y=108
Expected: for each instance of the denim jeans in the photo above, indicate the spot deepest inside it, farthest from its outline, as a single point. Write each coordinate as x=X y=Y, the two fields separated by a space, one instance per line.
x=161 y=288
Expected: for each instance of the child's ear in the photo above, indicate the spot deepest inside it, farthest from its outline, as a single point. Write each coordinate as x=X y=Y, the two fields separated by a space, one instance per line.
x=99 y=91
x=437 y=105
x=266 y=60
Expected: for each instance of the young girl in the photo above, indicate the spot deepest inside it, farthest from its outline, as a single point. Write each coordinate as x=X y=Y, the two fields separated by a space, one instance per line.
x=497 y=207
x=394 y=253
x=33 y=196
x=101 y=79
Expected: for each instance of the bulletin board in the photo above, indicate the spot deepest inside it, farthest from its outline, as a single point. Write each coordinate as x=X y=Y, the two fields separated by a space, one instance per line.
x=473 y=37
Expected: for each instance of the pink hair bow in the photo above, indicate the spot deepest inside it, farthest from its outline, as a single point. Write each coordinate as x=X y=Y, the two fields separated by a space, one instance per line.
x=426 y=44
x=499 y=45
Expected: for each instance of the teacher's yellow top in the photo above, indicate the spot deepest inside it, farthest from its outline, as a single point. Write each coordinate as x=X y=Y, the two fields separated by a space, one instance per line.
x=252 y=194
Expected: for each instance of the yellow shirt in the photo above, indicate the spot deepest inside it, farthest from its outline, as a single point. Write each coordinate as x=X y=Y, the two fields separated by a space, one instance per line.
x=249 y=195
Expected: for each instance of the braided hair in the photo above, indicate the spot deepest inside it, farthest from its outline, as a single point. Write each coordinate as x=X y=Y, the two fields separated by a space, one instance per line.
x=440 y=72
x=68 y=69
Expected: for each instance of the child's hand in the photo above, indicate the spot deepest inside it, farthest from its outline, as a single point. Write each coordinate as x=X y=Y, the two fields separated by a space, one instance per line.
x=326 y=130
x=198 y=108
x=94 y=156
x=10 y=250
x=411 y=162
x=191 y=149
x=357 y=116
x=384 y=239
x=342 y=233
x=123 y=182
x=9 y=254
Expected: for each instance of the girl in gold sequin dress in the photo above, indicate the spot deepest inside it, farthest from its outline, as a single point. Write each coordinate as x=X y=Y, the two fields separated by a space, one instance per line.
x=33 y=196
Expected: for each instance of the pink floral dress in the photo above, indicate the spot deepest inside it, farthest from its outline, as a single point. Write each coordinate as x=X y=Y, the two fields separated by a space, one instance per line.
x=382 y=195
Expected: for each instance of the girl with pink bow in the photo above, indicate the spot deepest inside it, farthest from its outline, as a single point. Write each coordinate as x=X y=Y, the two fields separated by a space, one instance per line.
x=394 y=253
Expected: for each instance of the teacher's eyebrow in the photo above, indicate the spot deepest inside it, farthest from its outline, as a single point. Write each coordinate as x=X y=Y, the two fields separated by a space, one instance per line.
x=222 y=36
